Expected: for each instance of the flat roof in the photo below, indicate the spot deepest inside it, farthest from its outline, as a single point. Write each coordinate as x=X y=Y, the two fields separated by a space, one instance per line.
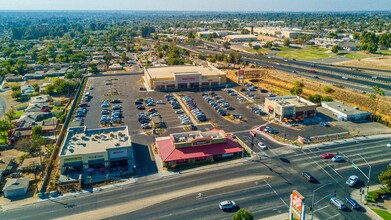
x=171 y=71
x=80 y=140
x=343 y=108
x=239 y=36
x=193 y=135
x=291 y=101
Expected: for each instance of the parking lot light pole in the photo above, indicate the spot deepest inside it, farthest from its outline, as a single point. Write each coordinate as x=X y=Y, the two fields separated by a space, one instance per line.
x=313 y=199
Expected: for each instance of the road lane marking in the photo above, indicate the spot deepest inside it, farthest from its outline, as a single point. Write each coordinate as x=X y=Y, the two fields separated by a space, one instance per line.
x=276 y=193
x=334 y=216
x=225 y=193
x=271 y=208
x=363 y=164
x=329 y=166
x=321 y=208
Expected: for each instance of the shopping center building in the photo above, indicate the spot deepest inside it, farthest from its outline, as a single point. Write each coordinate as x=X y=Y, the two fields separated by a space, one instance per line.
x=91 y=150
x=286 y=108
x=196 y=147
x=183 y=77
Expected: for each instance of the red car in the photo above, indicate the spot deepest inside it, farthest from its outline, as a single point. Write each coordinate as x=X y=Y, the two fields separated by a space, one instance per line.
x=327 y=155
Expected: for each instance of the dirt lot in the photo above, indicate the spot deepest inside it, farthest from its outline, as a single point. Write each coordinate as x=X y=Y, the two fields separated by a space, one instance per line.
x=383 y=63
x=280 y=83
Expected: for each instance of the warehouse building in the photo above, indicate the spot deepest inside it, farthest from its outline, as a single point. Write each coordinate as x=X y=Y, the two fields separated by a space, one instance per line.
x=196 y=147
x=287 y=108
x=91 y=150
x=240 y=38
x=183 y=77
x=346 y=112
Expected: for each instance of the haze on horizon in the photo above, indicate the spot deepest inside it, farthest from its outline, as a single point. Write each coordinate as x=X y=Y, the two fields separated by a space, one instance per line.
x=199 y=5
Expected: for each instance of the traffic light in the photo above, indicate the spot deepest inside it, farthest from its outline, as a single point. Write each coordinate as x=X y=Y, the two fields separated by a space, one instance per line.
x=335 y=192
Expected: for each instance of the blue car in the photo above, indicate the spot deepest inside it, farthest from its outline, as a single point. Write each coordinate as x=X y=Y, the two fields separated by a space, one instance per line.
x=352 y=203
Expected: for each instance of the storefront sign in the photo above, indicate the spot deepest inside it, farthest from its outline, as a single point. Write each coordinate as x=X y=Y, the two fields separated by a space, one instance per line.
x=201 y=141
x=73 y=159
x=96 y=157
x=118 y=153
x=188 y=79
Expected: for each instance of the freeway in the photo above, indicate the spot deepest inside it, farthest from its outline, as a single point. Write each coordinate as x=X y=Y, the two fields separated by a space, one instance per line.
x=263 y=187
x=334 y=75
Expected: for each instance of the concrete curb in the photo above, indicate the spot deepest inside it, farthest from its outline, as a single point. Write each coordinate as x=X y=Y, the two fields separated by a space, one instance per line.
x=369 y=212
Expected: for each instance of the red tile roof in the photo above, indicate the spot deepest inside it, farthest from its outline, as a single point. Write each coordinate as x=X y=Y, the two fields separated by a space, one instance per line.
x=168 y=152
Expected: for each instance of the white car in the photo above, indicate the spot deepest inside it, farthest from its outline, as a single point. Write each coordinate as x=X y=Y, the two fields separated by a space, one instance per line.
x=337 y=158
x=228 y=204
x=352 y=180
x=338 y=203
x=262 y=146
x=389 y=145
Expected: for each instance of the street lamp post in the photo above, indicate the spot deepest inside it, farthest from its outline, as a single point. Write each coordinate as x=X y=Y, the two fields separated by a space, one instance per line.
x=313 y=199
x=368 y=177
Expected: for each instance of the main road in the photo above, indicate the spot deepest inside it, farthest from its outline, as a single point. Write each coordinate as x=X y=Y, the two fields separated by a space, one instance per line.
x=263 y=187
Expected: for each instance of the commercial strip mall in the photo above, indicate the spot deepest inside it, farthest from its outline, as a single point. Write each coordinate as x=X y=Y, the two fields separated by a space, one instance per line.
x=286 y=108
x=183 y=77
x=96 y=150
x=195 y=147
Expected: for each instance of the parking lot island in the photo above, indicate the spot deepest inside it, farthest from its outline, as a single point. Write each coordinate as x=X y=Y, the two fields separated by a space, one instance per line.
x=195 y=147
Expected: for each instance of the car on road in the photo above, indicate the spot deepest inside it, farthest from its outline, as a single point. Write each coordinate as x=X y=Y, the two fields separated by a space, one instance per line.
x=337 y=158
x=308 y=176
x=228 y=204
x=352 y=203
x=294 y=71
x=352 y=180
x=389 y=145
x=338 y=203
x=344 y=77
x=327 y=155
x=262 y=146
x=313 y=71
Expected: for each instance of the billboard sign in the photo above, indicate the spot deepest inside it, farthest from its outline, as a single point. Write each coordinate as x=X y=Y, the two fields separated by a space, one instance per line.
x=297 y=206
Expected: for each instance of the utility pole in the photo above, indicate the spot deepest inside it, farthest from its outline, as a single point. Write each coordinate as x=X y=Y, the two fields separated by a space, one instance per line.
x=313 y=199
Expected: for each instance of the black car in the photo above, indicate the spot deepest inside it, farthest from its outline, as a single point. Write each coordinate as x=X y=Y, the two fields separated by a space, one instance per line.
x=352 y=203
x=308 y=176
x=138 y=102
x=140 y=107
x=193 y=127
x=116 y=101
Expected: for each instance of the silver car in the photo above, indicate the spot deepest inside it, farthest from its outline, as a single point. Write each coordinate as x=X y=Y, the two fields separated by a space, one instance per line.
x=352 y=180
x=228 y=204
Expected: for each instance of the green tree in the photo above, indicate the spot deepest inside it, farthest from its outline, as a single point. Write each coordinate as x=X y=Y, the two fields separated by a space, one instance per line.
x=5 y=128
x=243 y=214
x=37 y=131
x=124 y=58
x=94 y=68
x=287 y=41
x=335 y=49
x=50 y=89
x=268 y=44
x=10 y=114
x=385 y=177
x=297 y=88
x=328 y=89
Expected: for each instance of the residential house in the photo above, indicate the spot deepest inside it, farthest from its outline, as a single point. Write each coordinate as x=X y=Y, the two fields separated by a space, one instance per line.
x=36 y=75
x=27 y=90
x=41 y=99
x=16 y=187
x=13 y=78
x=31 y=163
x=5 y=166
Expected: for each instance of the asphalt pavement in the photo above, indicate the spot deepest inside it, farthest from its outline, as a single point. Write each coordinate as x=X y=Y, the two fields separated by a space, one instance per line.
x=193 y=197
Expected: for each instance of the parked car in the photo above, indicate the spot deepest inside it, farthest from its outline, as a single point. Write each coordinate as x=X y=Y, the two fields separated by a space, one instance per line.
x=338 y=203
x=327 y=155
x=160 y=102
x=140 y=107
x=352 y=180
x=116 y=101
x=83 y=104
x=324 y=124
x=105 y=112
x=308 y=176
x=228 y=204
x=179 y=111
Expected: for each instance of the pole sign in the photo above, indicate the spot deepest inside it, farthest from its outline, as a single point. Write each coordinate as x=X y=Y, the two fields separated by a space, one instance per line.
x=297 y=209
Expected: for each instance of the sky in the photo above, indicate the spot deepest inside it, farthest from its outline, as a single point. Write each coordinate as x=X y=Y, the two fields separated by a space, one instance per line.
x=198 y=5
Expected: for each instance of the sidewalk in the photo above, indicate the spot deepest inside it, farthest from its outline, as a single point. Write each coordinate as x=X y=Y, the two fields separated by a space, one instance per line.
x=360 y=198
x=285 y=216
